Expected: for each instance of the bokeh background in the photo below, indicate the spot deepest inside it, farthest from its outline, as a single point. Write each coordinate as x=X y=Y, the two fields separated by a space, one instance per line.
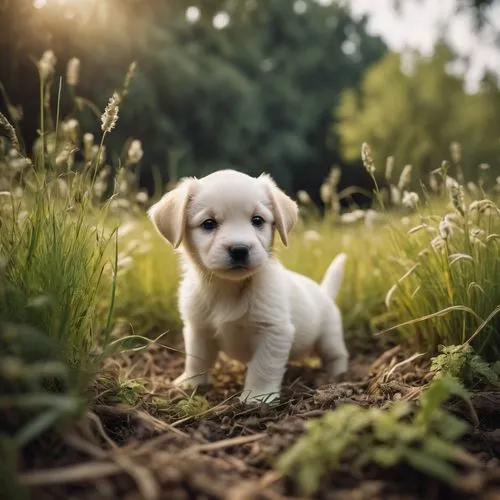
x=291 y=87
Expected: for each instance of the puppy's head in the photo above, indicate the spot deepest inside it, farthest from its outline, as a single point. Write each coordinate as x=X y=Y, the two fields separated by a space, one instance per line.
x=225 y=221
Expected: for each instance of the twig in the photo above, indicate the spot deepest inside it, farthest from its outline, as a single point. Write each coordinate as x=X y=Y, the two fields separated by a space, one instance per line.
x=224 y=443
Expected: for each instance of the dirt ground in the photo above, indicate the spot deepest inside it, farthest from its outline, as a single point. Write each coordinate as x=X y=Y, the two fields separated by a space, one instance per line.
x=147 y=451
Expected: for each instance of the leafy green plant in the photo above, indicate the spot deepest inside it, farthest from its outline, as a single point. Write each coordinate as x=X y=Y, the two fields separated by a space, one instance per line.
x=461 y=362
x=360 y=436
x=191 y=407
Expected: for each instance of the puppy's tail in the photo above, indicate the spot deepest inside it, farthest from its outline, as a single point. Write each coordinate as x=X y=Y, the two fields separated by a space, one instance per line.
x=333 y=276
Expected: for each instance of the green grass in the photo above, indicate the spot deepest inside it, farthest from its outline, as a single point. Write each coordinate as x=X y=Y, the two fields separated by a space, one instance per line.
x=446 y=291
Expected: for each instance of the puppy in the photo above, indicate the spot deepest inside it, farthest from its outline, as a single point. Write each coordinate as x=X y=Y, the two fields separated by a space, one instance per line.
x=235 y=296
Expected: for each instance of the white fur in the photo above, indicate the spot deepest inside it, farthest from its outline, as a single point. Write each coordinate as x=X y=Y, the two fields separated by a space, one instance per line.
x=260 y=314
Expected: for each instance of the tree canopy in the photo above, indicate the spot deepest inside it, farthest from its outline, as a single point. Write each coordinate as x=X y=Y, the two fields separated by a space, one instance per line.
x=416 y=114
x=243 y=84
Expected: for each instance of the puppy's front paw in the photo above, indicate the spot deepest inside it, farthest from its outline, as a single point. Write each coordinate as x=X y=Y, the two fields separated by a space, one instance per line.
x=252 y=397
x=188 y=381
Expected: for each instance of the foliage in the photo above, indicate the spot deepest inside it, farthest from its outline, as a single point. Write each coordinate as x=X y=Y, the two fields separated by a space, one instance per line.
x=414 y=114
x=461 y=362
x=362 y=436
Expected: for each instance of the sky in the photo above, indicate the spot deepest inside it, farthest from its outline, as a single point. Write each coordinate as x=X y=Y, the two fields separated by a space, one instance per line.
x=422 y=22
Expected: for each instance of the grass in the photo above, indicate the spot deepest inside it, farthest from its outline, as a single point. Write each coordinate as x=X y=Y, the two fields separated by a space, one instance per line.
x=57 y=275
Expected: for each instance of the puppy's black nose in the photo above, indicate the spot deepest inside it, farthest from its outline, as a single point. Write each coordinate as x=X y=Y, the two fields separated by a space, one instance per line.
x=239 y=254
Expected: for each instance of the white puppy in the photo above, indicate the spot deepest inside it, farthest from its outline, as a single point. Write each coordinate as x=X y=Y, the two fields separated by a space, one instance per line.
x=235 y=296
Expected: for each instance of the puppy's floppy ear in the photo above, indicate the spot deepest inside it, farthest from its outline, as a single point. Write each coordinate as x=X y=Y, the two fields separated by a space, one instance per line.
x=284 y=209
x=170 y=213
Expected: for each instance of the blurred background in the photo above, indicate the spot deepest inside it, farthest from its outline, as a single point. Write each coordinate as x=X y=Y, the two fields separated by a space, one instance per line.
x=290 y=87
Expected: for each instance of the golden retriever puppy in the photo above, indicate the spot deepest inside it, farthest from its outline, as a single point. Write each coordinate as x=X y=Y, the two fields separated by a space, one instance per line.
x=235 y=296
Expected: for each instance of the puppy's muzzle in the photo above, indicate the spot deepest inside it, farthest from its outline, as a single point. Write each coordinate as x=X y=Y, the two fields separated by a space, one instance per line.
x=239 y=255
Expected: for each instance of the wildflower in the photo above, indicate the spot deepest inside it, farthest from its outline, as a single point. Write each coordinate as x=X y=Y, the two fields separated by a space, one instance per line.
x=482 y=206
x=142 y=197
x=126 y=228
x=455 y=257
x=423 y=254
x=477 y=236
x=458 y=199
x=438 y=244
x=70 y=128
x=366 y=157
x=456 y=151
x=405 y=177
x=63 y=157
x=46 y=65
x=11 y=132
x=418 y=228
x=334 y=177
x=312 y=235
x=351 y=217
x=73 y=72
x=390 y=293
x=110 y=115
x=410 y=199
x=88 y=139
x=445 y=229
x=325 y=193
x=135 y=152
x=450 y=183
x=128 y=77
x=303 y=197
x=395 y=195
x=389 y=167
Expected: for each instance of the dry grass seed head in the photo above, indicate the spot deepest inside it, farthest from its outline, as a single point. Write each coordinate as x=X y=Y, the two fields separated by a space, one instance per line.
x=366 y=157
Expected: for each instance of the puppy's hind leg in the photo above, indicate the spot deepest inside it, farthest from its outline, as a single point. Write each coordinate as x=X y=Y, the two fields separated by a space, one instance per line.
x=331 y=346
x=201 y=353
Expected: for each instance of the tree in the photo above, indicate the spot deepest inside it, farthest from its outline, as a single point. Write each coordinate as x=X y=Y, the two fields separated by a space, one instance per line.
x=254 y=94
x=416 y=115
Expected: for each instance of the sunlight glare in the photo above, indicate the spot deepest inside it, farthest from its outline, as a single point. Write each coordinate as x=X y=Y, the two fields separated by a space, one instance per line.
x=38 y=4
x=192 y=14
x=221 y=20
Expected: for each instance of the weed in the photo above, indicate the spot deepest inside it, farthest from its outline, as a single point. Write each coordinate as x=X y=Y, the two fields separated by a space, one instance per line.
x=461 y=362
x=362 y=436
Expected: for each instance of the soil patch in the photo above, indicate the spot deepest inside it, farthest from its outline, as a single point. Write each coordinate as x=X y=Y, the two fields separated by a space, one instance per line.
x=157 y=449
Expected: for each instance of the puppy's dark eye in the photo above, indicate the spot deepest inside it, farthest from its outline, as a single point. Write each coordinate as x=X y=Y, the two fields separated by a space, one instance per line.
x=258 y=221
x=209 y=224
